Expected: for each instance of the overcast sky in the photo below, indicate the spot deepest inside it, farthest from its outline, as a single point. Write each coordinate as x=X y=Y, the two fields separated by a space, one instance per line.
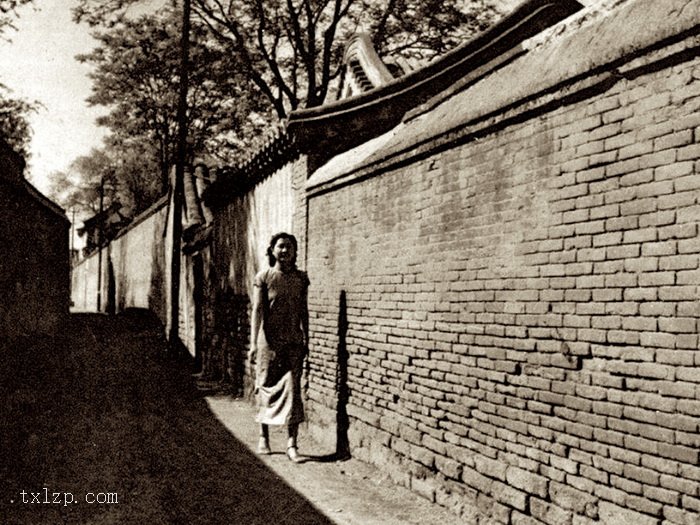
x=38 y=65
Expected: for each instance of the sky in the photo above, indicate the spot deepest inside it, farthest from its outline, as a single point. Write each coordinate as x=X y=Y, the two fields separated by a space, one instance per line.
x=39 y=65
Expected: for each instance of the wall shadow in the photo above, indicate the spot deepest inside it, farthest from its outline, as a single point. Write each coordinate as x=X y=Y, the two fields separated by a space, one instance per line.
x=226 y=306
x=102 y=409
x=111 y=289
x=342 y=420
x=342 y=448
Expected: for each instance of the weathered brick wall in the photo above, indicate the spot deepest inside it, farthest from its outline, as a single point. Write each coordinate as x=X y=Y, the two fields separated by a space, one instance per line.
x=241 y=232
x=520 y=308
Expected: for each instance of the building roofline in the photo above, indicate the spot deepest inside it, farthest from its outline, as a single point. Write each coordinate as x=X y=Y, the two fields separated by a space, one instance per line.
x=45 y=201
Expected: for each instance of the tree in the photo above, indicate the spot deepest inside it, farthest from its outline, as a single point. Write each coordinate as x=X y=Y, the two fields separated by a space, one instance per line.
x=14 y=126
x=291 y=49
x=136 y=75
x=78 y=188
x=8 y=11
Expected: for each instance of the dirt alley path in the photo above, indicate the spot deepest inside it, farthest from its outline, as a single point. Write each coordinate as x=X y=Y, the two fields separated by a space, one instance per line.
x=101 y=409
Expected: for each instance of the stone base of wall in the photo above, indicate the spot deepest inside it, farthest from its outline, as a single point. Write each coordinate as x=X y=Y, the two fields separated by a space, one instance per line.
x=473 y=497
x=321 y=425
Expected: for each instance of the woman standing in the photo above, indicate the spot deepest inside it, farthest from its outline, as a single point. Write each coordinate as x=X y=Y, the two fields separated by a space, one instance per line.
x=279 y=335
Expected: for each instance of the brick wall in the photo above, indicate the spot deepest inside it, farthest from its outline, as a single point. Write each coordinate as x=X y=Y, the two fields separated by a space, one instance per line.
x=513 y=315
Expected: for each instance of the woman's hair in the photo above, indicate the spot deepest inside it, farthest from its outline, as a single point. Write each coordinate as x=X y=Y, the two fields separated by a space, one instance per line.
x=276 y=237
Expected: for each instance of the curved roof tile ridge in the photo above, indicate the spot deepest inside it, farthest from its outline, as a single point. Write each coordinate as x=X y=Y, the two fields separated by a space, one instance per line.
x=278 y=147
x=373 y=72
x=528 y=19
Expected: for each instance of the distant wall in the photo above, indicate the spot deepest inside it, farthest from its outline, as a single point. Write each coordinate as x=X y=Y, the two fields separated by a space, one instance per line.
x=139 y=260
x=84 y=285
x=507 y=310
x=133 y=269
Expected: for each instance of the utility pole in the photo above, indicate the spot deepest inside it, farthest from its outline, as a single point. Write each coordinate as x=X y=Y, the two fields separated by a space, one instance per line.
x=72 y=238
x=72 y=232
x=100 y=225
x=173 y=336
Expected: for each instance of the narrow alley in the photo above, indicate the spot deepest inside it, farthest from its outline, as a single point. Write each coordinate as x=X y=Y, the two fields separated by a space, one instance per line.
x=99 y=426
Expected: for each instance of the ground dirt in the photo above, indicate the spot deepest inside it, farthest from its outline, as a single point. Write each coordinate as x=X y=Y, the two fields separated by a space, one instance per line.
x=101 y=409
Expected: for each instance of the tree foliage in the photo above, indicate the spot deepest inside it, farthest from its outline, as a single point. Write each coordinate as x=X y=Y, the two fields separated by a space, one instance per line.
x=136 y=71
x=8 y=12
x=79 y=187
x=113 y=172
x=14 y=112
x=136 y=75
x=291 y=49
x=14 y=126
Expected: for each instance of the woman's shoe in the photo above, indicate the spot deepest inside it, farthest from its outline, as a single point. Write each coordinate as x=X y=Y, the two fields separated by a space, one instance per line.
x=293 y=455
x=264 y=446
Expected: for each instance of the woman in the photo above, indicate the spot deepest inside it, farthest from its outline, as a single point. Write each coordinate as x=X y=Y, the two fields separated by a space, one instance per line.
x=279 y=334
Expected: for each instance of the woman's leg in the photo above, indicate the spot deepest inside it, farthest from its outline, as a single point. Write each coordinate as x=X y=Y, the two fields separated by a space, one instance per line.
x=264 y=442
x=292 y=431
x=292 y=453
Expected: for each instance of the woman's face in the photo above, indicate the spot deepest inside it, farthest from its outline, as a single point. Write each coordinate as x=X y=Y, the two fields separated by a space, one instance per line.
x=284 y=251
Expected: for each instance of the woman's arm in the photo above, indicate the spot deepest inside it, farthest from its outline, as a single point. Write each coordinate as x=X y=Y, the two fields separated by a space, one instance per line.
x=304 y=316
x=255 y=322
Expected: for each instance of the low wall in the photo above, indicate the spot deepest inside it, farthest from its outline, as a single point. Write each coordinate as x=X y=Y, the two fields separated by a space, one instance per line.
x=506 y=314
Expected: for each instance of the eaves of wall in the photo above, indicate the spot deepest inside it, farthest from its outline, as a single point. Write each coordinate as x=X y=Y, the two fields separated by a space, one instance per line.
x=237 y=180
x=144 y=215
x=359 y=118
x=576 y=65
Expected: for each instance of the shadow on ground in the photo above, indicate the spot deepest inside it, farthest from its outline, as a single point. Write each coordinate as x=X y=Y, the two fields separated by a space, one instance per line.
x=100 y=409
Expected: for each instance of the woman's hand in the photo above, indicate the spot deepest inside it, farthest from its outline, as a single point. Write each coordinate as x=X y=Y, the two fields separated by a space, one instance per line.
x=252 y=353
